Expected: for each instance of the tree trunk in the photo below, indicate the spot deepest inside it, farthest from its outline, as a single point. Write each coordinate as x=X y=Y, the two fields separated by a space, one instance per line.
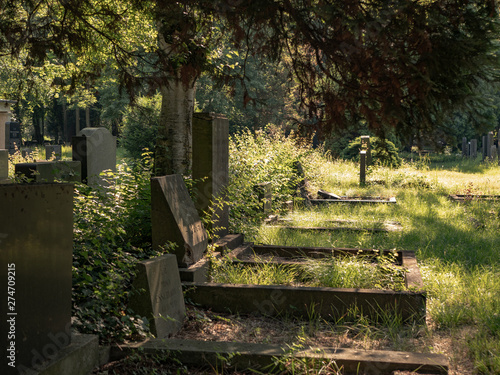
x=173 y=145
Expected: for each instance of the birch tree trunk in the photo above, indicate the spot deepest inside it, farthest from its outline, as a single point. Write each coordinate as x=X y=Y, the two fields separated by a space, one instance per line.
x=173 y=145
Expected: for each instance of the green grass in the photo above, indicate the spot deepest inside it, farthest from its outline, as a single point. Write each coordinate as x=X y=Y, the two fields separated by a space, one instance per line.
x=457 y=245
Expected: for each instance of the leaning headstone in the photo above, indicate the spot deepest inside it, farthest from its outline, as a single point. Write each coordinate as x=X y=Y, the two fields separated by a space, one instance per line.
x=362 y=167
x=36 y=244
x=211 y=168
x=50 y=171
x=4 y=165
x=53 y=151
x=175 y=219
x=95 y=148
x=157 y=295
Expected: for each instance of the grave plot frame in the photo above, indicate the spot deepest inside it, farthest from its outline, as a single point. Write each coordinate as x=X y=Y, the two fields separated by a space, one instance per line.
x=473 y=197
x=330 y=303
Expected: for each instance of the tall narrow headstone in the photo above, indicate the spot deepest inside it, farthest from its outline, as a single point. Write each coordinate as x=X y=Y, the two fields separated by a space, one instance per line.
x=13 y=139
x=4 y=165
x=362 y=167
x=264 y=195
x=465 y=147
x=95 y=149
x=36 y=243
x=157 y=295
x=484 y=148
x=473 y=148
x=5 y=116
x=175 y=219
x=493 y=152
x=489 y=143
x=211 y=167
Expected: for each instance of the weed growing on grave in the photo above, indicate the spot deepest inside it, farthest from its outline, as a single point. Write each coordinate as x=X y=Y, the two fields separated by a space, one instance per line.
x=111 y=233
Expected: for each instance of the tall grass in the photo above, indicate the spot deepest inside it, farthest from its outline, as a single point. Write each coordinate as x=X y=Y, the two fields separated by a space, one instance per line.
x=457 y=245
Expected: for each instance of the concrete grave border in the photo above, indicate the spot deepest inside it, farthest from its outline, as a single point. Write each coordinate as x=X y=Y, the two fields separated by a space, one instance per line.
x=330 y=303
x=245 y=356
x=473 y=197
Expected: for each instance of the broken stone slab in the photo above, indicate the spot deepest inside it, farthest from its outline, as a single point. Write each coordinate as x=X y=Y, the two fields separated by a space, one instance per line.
x=157 y=295
x=175 y=219
x=327 y=195
x=248 y=356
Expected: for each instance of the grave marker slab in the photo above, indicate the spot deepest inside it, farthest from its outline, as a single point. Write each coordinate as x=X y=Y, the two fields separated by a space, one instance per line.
x=4 y=165
x=5 y=117
x=158 y=295
x=174 y=219
x=50 y=171
x=36 y=243
x=95 y=148
x=211 y=166
x=13 y=139
x=53 y=151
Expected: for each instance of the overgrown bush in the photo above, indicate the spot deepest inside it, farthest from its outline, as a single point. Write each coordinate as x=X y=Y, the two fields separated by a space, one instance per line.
x=264 y=157
x=111 y=233
x=140 y=125
x=383 y=152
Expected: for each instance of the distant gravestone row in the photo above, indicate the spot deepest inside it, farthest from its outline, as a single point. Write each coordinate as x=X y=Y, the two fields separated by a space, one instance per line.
x=489 y=150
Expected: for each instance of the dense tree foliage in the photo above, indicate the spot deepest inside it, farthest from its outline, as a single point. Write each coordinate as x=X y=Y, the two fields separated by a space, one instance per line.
x=402 y=64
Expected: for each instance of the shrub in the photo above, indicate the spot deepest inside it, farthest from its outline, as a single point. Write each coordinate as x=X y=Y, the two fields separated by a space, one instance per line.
x=383 y=151
x=111 y=233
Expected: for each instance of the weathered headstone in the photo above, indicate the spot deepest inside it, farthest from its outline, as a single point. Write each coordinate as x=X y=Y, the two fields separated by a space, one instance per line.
x=53 y=151
x=5 y=117
x=489 y=143
x=484 y=148
x=174 y=218
x=366 y=146
x=211 y=167
x=362 y=167
x=264 y=195
x=493 y=152
x=157 y=295
x=465 y=150
x=50 y=171
x=4 y=165
x=473 y=148
x=13 y=139
x=95 y=148
x=36 y=243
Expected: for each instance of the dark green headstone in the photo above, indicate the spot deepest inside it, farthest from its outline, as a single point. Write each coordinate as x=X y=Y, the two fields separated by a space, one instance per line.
x=36 y=241
x=174 y=219
x=157 y=295
x=211 y=167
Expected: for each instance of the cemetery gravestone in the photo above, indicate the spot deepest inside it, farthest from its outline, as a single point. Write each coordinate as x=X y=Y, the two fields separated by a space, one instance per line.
x=4 y=165
x=362 y=167
x=50 y=171
x=211 y=167
x=174 y=218
x=95 y=149
x=366 y=146
x=264 y=195
x=465 y=150
x=36 y=243
x=53 y=151
x=157 y=295
x=5 y=117
x=13 y=139
x=473 y=148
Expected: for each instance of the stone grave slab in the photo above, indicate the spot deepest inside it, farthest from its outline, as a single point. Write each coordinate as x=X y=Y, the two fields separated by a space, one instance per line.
x=36 y=245
x=50 y=171
x=4 y=165
x=157 y=295
x=53 y=151
x=95 y=148
x=174 y=218
x=211 y=167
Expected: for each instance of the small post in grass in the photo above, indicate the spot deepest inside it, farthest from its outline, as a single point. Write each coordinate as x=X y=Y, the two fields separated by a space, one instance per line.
x=365 y=145
x=362 y=168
